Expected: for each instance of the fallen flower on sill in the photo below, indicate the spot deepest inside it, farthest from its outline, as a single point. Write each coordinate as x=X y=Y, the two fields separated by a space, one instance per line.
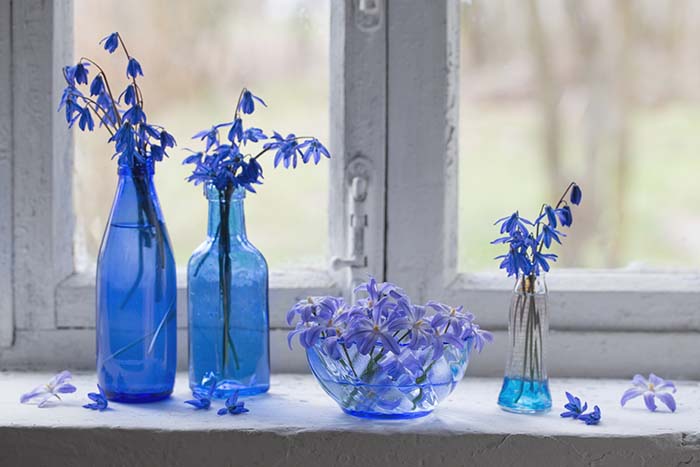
x=233 y=407
x=57 y=385
x=651 y=389
x=99 y=400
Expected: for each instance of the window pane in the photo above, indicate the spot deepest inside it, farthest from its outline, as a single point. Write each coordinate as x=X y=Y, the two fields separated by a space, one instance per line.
x=603 y=92
x=196 y=57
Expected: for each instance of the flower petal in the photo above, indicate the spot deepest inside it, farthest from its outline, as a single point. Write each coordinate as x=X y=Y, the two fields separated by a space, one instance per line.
x=649 y=400
x=630 y=394
x=668 y=400
x=37 y=391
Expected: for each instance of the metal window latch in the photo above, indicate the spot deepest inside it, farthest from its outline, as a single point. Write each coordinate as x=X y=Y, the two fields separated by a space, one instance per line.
x=358 y=172
x=368 y=14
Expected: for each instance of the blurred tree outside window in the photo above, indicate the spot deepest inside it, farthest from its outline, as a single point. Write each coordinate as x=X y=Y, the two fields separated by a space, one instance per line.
x=603 y=92
x=196 y=57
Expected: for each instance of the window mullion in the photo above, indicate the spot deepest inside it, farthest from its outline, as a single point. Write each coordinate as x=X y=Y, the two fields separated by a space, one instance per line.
x=358 y=139
x=422 y=130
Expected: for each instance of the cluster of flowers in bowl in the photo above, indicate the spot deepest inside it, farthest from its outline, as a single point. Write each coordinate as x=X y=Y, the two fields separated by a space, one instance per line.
x=383 y=356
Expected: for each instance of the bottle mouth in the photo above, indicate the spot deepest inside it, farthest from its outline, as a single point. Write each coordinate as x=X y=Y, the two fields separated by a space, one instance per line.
x=136 y=168
x=212 y=193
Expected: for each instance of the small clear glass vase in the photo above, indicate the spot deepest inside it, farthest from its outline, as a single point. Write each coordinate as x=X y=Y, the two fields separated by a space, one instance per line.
x=526 y=386
x=136 y=326
x=228 y=304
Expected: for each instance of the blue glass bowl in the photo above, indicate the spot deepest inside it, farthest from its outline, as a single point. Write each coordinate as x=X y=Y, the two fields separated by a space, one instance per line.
x=383 y=385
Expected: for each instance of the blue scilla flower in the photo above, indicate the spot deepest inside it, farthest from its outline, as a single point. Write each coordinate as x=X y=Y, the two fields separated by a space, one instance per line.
x=548 y=234
x=99 y=400
x=565 y=216
x=287 y=149
x=591 y=418
x=254 y=135
x=574 y=408
x=233 y=406
x=541 y=261
x=86 y=122
x=576 y=194
x=78 y=73
x=235 y=133
x=203 y=401
x=313 y=149
x=133 y=68
x=111 y=42
x=514 y=222
x=97 y=86
x=550 y=214
x=135 y=115
x=247 y=104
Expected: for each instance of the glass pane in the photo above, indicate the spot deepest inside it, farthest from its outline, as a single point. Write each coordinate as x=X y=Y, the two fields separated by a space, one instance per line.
x=603 y=92
x=196 y=57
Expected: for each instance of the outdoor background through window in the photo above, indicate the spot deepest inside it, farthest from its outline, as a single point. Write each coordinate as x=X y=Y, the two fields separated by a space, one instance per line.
x=603 y=92
x=196 y=56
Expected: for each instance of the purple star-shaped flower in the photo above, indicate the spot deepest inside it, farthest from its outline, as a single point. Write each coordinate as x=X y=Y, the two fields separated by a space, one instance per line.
x=57 y=385
x=203 y=400
x=651 y=389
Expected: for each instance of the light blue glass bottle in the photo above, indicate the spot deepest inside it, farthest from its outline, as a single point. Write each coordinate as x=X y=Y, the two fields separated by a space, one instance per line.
x=136 y=295
x=228 y=304
x=526 y=386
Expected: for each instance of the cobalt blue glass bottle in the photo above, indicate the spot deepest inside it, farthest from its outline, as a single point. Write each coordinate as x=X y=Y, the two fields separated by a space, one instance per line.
x=136 y=294
x=526 y=386
x=228 y=303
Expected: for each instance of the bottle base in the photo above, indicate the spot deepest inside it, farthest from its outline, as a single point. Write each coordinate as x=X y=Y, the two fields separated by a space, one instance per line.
x=137 y=398
x=525 y=396
x=223 y=390
x=387 y=416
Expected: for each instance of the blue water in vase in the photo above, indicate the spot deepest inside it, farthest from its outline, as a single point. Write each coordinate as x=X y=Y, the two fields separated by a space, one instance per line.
x=525 y=396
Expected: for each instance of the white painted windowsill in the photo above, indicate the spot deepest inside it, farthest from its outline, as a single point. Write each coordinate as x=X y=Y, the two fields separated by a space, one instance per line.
x=297 y=424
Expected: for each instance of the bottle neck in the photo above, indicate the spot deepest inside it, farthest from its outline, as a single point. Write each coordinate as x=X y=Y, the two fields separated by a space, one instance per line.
x=531 y=284
x=136 y=201
x=226 y=214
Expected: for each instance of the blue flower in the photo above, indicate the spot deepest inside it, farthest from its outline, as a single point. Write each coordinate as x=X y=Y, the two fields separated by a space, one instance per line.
x=480 y=337
x=202 y=401
x=365 y=332
x=565 y=216
x=247 y=104
x=99 y=400
x=166 y=139
x=574 y=409
x=59 y=384
x=287 y=149
x=232 y=406
x=514 y=223
x=548 y=234
x=86 y=121
x=211 y=135
x=111 y=42
x=313 y=149
x=654 y=387
x=253 y=134
x=551 y=216
x=129 y=95
x=541 y=261
x=576 y=195
x=97 y=86
x=133 y=68
x=236 y=131
x=135 y=115
x=591 y=418
x=80 y=73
